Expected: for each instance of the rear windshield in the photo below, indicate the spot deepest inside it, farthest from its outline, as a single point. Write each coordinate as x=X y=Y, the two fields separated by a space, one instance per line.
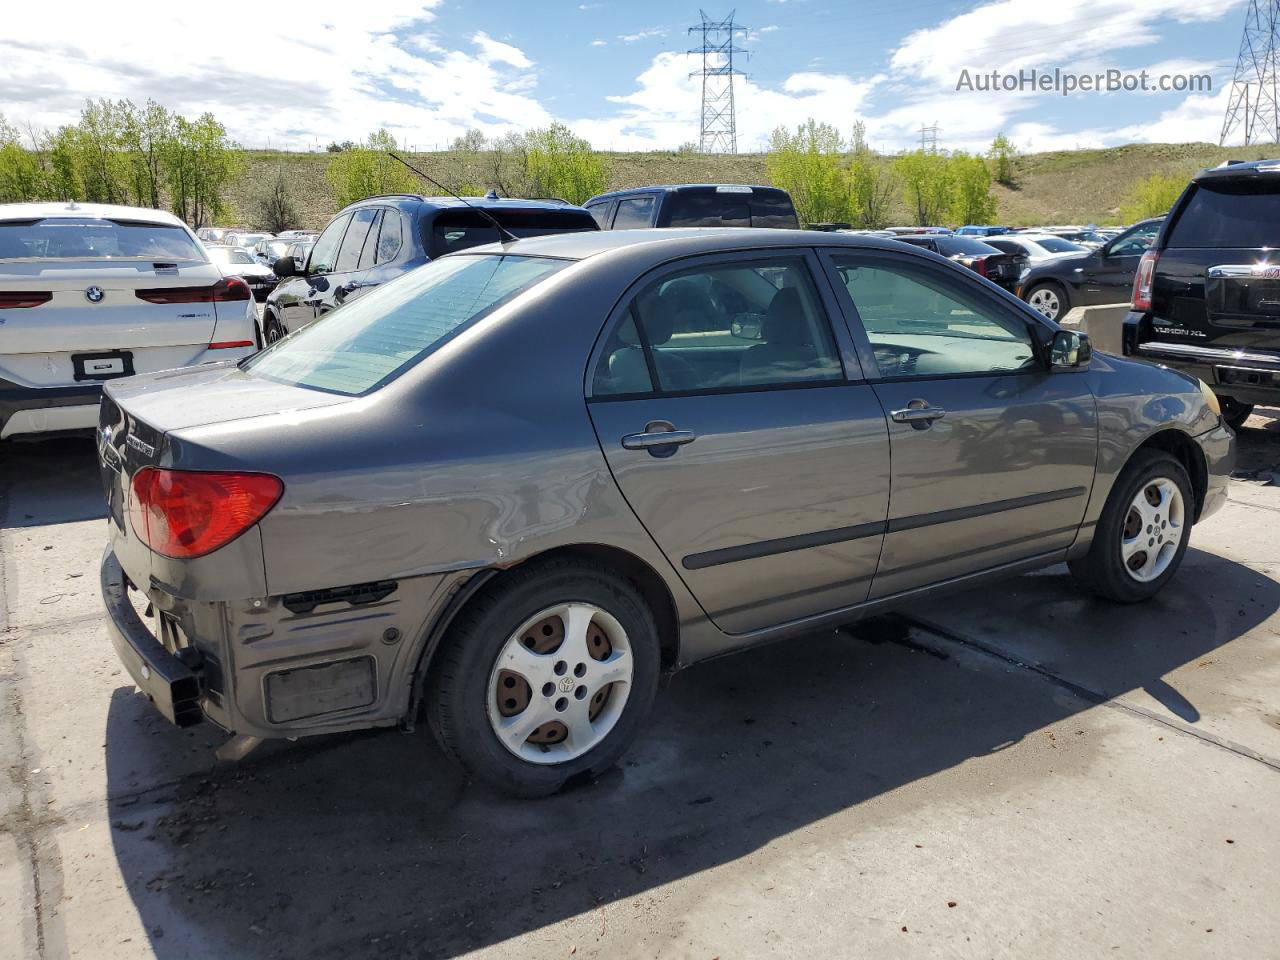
x=951 y=246
x=68 y=239
x=1241 y=213
x=455 y=230
x=1058 y=245
x=373 y=340
x=707 y=208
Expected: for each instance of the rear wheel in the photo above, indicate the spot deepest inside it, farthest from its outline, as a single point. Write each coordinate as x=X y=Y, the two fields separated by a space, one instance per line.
x=271 y=329
x=1234 y=412
x=1142 y=534
x=1049 y=300
x=545 y=677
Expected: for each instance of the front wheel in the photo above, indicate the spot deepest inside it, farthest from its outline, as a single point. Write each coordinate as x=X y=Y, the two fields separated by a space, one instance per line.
x=545 y=677
x=1142 y=534
x=1049 y=300
x=272 y=331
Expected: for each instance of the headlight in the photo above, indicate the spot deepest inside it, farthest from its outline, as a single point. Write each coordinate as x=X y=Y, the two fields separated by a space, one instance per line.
x=1210 y=399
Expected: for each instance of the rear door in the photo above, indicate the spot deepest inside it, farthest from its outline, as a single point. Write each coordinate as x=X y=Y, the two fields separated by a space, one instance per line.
x=993 y=453
x=91 y=299
x=770 y=498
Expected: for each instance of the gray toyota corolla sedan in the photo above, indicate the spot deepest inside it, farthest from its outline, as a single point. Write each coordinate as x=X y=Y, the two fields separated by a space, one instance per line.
x=514 y=486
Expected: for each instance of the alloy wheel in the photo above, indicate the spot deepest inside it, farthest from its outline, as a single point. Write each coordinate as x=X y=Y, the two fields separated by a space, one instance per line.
x=1046 y=302
x=1153 y=529
x=560 y=683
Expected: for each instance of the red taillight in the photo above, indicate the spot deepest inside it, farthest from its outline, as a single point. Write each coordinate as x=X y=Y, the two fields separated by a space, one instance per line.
x=1143 y=279
x=980 y=265
x=23 y=298
x=228 y=288
x=185 y=513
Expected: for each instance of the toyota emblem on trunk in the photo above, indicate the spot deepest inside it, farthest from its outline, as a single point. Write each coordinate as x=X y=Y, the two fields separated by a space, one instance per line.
x=93 y=294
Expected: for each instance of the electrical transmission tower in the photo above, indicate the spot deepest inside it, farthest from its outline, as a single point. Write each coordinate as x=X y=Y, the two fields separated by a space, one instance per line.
x=719 y=123
x=1253 y=103
x=929 y=138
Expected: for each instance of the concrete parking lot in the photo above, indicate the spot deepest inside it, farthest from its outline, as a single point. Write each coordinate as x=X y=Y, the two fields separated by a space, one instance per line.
x=1016 y=772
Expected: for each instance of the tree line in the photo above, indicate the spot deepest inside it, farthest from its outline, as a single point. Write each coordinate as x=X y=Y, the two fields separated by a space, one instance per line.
x=119 y=152
x=834 y=180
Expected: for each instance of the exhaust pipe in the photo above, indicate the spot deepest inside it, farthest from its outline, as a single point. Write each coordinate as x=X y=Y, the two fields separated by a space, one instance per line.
x=238 y=747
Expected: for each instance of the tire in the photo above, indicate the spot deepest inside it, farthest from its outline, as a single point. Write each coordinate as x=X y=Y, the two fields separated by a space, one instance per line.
x=1049 y=300
x=1234 y=412
x=507 y=636
x=271 y=329
x=1119 y=566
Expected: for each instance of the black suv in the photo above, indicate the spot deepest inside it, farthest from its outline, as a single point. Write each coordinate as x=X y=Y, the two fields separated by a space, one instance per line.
x=1206 y=298
x=375 y=240
x=694 y=205
x=1090 y=278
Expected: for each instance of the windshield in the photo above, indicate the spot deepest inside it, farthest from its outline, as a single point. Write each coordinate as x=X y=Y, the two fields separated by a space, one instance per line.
x=964 y=246
x=68 y=239
x=229 y=255
x=370 y=342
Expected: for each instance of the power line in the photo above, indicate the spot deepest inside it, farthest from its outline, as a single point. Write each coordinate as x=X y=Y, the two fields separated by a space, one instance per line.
x=719 y=128
x=929 y=138
x=1253 y=103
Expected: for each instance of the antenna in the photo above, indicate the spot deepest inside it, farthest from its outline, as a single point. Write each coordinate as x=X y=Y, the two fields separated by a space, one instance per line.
x=719 y=123
x=1253 y=102
x=505 y=235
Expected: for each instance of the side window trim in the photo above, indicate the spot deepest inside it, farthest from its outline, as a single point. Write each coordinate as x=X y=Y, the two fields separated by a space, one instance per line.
x=852 y=366
x=369 y=249
x=993 y=302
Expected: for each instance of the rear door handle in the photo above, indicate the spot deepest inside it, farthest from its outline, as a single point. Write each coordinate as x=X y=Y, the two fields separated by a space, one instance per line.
x=658 y=433
x=918 y=412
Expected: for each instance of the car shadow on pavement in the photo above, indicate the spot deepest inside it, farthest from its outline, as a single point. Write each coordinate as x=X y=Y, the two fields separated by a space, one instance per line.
x=59 y=475
x=374 y=844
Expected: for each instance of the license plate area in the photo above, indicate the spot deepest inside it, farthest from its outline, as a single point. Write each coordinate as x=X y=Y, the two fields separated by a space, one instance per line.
x=102 y=366
x=1247 y=376
x=1243 y=301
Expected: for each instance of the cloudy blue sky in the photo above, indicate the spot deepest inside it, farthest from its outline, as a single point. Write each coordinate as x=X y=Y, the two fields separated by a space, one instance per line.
x=617 y=72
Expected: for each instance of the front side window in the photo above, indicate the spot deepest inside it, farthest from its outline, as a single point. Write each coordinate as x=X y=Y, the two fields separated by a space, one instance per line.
x=325 y=253
x=374 y=339
x=1136 y=243
x=75 y=239
x=922 y=324
x=353 y=242
x=730 y=326
x=634 y=213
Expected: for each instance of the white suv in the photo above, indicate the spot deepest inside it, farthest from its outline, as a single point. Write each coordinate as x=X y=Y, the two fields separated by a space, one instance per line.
x=89 y=293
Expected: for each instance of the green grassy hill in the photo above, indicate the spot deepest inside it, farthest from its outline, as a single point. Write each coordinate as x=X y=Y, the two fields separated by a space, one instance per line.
x=1066 y=186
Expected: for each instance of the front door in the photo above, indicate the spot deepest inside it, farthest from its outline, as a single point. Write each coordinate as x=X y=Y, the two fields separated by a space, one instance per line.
x=737 y=425
x=1111 y=269
x=296 y=298
x=345 y=282
x=993 y=453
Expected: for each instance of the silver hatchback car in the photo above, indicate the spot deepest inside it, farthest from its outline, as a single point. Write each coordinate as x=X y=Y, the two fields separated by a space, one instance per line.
x=514 y=486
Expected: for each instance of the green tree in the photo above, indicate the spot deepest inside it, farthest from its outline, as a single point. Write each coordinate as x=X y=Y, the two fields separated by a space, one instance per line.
x=473 y=141
x=103 y=169
x=872 y=185
x=558 y=163
x=275 y=208
x=971 y=199
x=62 y=151
x=926 y=185
x=367 y=171
x=1001 y=155
x=199 y=161
x=807 y=164
x=1151 y=197
x=21 y=175
x=145 y=136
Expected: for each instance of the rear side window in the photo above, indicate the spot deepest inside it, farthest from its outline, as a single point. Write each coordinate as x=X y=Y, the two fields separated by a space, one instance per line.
x=391 y=237
x=964 y=246
x=1243 y=213
x=370 y=250
x=634 y=213
x=600 y=212
x=89 y=239
x=375 y=339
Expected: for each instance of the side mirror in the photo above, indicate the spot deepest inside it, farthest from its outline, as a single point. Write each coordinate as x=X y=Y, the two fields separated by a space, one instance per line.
x=284 y=267
x=1069 y=350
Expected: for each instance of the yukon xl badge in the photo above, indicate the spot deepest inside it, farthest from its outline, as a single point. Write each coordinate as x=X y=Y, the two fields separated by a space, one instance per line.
x=146 y=449
x=93 y=294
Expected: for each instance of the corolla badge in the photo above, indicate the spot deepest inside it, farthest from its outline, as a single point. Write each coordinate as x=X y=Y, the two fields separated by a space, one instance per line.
x=94 y=294
x=144 y=448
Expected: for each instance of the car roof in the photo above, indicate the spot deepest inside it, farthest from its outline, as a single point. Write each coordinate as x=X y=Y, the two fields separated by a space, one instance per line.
x=680 y=187
x=671 y=242
x=81 y=211
x=454 y=203
x=1233 y=168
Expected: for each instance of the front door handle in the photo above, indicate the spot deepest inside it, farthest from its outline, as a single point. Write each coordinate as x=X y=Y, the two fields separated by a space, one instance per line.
x=660 y=438
x=919 y=414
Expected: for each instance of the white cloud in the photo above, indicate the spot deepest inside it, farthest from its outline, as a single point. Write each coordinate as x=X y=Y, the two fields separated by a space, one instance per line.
x=642 y=34
x=599 y=43
x=769 y=29
x=352 y=69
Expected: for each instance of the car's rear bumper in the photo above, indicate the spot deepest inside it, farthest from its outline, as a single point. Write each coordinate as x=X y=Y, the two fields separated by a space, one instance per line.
x=27 y=410
x=168 y=682
x=1247 y=375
